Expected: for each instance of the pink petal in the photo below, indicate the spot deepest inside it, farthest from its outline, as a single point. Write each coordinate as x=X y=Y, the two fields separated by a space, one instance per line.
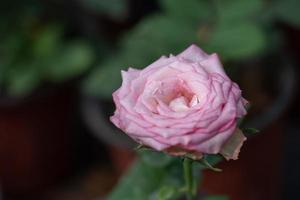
x=213 y=65
x=161 y=62
x=179 y=104
x=193 y=53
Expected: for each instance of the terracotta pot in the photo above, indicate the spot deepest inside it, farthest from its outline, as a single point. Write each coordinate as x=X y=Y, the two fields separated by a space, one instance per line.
x=34 y=142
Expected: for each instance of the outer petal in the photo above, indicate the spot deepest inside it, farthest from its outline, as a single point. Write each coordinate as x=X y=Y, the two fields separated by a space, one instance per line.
x=193 y=53
x=127 y=78
x=214 y=144
x=153 y=143
x=213 y=65
x=198 y=141
x=232 y=147
x=161 y=62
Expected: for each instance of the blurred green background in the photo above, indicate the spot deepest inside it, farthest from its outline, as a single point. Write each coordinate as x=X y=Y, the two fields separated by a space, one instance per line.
x=60 y=61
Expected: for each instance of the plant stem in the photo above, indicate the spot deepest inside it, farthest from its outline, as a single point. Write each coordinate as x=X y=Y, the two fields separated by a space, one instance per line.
x=188 y=177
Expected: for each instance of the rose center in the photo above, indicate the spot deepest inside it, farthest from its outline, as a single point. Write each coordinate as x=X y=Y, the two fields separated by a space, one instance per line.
x=177 y=96
x=183 y=103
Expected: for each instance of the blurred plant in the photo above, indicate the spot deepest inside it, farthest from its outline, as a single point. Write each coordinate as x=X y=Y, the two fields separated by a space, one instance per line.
x=36 y=46
x=287 y=11
x=236 y=29
x=29 y=59
x=116 y=9
x=33 y=53
x=158 y=176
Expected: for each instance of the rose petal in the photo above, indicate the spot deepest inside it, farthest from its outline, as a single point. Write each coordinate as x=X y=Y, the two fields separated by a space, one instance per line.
x=179 y=104
x=161 y=62
x=213 y=65
x=152 y=142
x=193 y=53
x=232 y=147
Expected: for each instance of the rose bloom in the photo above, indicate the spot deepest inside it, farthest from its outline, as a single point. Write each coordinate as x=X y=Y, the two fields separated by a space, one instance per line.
x=184 y=105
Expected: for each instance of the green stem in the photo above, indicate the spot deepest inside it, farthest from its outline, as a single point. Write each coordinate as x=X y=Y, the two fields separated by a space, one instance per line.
x=188 y=177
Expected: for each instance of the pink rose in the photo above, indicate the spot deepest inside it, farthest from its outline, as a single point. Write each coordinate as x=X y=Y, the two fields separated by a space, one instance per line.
x=182 y=105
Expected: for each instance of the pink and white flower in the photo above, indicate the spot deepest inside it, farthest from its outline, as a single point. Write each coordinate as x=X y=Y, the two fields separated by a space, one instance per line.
x=184 y=104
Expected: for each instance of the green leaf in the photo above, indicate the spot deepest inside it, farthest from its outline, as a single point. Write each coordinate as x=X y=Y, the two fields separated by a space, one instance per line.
x=145 y=181
x=240 y=121
x=190 y=11
x=47 y=42
x=230 y=11
x=104 y=79
x=142 y=147
x=216 y=198
x=2 y=74
x=237 y=42
x=138 y=46
x=167 y=193
x=10 y=48
x=22 y=81
x=288 y=11
x=250 y=130
x=213 y=159
x=138 y=183
x=207 y=165
x=73 y=60
x=116 y=9
x=208 y=162
x=139 y=147
x=155 y=158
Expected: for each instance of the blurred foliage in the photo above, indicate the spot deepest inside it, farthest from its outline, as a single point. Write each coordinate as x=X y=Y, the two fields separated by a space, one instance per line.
x=155 y=175
x=31 y=57
x=235 y=29
x=35 y=46
x=216 y=198
x=147 y=181
x=40 y=45
x=288 y=11
x=33 y=53
x=158 y=176
x=116 y=9
x=41 y=57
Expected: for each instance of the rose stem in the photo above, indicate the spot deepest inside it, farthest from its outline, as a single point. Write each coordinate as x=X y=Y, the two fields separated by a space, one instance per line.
x=188 y=177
